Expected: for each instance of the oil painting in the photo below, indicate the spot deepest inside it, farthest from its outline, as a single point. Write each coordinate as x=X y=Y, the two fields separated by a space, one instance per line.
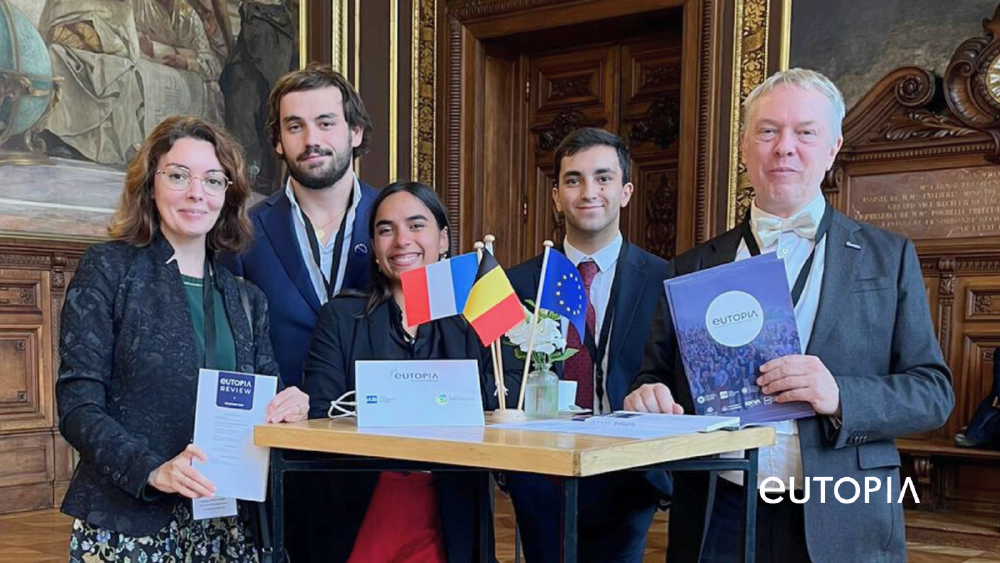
x=85 y=81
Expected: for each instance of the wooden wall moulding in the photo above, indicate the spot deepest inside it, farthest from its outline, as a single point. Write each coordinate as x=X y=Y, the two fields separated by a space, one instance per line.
x=35 y=462
x=466 y=10
x=983 y=304
x=24 y=389
x=548 y=135
x=425 y=16
x=26 y=459
x=920 y=158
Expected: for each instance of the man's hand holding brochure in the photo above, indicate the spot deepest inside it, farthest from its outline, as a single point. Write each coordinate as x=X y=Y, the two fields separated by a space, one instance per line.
x=739 y=343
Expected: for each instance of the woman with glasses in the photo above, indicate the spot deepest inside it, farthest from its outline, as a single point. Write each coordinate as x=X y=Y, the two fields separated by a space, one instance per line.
x=142 y=315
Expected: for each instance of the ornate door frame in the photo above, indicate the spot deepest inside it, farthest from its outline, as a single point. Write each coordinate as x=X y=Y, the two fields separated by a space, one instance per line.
x=737 y=42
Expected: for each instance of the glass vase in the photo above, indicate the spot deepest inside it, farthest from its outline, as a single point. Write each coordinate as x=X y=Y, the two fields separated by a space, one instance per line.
x=541 y=394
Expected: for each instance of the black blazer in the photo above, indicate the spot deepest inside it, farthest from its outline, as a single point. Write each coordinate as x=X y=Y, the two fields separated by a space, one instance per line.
x=641 y=278
x=128 y=378
x=343 y=336
x=873 y=331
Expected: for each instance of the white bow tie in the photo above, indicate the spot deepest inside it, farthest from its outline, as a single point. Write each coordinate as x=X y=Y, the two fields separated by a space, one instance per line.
x=770 y=228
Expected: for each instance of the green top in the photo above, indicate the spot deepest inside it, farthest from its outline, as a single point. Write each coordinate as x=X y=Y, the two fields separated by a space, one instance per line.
x=225 y=347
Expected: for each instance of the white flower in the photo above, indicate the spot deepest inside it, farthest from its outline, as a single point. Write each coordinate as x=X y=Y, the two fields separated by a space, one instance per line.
x=518 y=335
x=548 y=337
x=545 y=348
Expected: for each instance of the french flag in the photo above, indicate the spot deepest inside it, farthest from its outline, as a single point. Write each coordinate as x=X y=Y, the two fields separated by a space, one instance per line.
x=438 y=290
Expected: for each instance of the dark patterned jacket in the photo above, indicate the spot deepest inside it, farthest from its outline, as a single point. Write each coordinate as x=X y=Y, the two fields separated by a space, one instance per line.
x=128 y=380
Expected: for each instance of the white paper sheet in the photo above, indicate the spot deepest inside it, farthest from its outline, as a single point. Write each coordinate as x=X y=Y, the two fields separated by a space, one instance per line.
x=628 y=425
x=215 y=507
x=229 y=405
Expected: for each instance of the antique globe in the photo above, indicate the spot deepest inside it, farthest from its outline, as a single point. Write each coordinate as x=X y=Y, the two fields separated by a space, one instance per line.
x=26 y=81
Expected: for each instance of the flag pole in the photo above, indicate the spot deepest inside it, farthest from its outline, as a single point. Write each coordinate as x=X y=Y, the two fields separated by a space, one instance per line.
x=495 y=345
x=534 y=321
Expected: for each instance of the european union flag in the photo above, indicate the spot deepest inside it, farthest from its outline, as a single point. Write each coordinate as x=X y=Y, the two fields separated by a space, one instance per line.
x=562 y=291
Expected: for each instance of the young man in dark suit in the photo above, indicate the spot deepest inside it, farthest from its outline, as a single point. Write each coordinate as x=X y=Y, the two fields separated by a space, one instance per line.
x=312 y=242
x=871 y=366
x=623 y=281
x=311 y=238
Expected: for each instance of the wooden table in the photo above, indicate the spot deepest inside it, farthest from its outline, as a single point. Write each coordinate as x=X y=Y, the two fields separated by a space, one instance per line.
x=572 y=456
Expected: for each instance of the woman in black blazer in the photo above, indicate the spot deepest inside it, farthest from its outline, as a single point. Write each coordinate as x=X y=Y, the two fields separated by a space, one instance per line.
x=142 y=315
x=415 y=517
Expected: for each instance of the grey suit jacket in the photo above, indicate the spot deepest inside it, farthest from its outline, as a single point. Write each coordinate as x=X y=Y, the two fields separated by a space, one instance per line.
x=873 y=332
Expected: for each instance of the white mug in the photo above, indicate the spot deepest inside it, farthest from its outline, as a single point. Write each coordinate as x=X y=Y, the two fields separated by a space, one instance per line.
x=567 y=394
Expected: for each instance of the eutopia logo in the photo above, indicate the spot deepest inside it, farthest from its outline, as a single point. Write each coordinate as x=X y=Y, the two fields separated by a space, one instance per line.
x=734 y=318
x=740 y=317
x=841 y=488
x=414 y=375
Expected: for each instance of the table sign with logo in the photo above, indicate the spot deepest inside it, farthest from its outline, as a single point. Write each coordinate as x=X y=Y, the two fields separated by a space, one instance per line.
x=729 y=321
x=229 y=406
x=418 y=393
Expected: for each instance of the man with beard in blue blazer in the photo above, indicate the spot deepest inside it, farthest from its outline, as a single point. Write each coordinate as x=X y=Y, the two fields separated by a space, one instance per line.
x=624 y=283
x=311 y=238
x=311 y=243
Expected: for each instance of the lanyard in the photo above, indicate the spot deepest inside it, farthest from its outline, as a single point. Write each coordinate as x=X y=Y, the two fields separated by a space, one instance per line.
x=338 y=249
x=208 y=304
x=800 y=281
x=599 y=348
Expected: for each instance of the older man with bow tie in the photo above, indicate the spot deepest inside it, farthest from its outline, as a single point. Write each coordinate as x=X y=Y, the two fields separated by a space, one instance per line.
x=871 y=366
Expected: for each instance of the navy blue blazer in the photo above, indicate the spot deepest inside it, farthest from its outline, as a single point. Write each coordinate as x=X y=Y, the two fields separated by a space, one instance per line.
x=641 y=280
x=275 y=265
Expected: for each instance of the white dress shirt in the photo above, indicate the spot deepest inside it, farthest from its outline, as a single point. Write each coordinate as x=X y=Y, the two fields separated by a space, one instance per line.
x=317 y=274
x=784 y=459
x=600 y=294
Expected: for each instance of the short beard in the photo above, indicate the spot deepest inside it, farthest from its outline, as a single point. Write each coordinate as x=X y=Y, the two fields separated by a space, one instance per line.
x=321 y=178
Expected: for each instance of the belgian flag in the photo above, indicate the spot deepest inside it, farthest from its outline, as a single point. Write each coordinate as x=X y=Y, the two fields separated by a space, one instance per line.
x=492 y=308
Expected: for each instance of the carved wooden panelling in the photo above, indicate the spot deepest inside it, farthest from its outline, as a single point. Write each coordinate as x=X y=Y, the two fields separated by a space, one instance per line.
x=581 y=83
x=651 y=113
x=919 y=158
x=22 y=387
x=26 y=459
x=983 y=304
x=652 y=72
x=649 y=220
x=972 y=384
x=20 y=292
x=35 y=463
x=971 y=487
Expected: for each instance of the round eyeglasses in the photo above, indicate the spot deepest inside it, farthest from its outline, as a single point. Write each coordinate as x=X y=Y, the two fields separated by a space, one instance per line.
x=179 y=179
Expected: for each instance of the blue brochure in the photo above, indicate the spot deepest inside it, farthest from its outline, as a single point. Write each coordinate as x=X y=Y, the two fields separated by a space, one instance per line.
x=729 y=321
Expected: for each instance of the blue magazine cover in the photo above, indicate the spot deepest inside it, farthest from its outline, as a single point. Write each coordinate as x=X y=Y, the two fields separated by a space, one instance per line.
x=730 y=320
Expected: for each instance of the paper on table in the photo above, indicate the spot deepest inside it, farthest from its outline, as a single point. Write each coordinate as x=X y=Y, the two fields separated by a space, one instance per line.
x=629 y=425
x=215 y=507
x=229 y=406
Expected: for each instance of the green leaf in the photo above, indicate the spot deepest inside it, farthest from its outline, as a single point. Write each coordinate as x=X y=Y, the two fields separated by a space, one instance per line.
x=564 y=355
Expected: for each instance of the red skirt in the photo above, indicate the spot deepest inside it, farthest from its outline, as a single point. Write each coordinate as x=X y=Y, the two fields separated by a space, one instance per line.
x=402 y=523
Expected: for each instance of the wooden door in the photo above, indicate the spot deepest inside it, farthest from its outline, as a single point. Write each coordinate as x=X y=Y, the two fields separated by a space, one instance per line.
x=632 y=89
